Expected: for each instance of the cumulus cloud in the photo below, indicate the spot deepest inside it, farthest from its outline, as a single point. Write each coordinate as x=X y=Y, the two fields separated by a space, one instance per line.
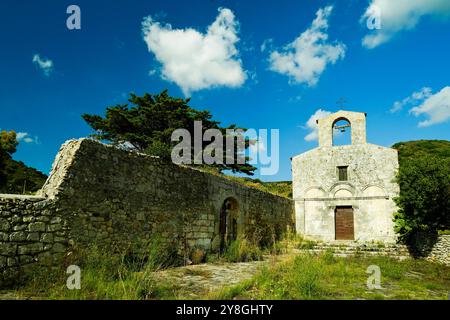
x=311 y=124
x=436 y=107
x=399 y=15
x=195 y=60
x=304 y=59
x=44 y=64
x=25 y=137
x=258 y=146
x=413 y=99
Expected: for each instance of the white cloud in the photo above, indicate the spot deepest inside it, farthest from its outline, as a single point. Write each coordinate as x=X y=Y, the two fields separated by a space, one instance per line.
x=25 y=137
x=45 y=64
x=258 y=146
x=311 y=124
x=266 y=45
x=399 y=15
x=436 y=107
x=195 y=60
x=304 y=59
x=414 y=98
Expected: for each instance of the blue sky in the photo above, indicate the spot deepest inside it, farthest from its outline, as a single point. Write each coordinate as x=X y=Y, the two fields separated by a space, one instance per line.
x=399 y=74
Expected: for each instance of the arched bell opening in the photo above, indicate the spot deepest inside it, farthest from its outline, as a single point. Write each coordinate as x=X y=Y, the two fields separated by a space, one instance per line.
x=342 y=132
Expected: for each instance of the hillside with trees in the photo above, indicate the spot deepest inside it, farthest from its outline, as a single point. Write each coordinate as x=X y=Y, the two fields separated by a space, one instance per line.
x=15 y=176
x=414 y=149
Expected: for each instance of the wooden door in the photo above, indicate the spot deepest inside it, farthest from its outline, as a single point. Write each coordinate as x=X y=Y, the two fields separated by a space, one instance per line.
x=344 y=223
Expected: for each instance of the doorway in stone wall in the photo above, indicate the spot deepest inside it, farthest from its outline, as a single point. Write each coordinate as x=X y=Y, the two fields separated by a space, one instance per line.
x=228 y=222
x=344 y=224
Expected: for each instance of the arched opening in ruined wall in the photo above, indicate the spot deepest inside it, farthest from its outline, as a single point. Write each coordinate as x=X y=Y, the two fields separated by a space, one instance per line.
x=228 y=222
x=342 y=132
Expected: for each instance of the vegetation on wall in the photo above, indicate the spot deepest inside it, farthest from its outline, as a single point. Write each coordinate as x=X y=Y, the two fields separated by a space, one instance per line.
x=281 y=188
x=424 y=179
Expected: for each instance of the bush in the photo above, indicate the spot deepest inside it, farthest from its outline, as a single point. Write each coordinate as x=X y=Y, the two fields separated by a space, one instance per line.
x=198 y=255
x=307 y=244
x=288 y=240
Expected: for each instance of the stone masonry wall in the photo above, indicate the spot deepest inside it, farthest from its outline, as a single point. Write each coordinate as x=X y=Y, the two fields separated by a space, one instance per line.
x=30 y=232
x=369 y=190
x=441 y=250
x=107 y=196
x=432 y=247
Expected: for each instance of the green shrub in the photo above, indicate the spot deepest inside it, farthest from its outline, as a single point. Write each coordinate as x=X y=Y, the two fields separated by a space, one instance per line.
x=307 y=244
x=424 y=200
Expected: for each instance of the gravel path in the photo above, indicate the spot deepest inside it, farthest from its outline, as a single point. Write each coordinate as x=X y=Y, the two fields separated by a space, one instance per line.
x=196 y=281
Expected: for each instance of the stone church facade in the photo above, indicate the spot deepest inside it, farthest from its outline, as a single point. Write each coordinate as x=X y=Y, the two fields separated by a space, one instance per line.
x=345 y=192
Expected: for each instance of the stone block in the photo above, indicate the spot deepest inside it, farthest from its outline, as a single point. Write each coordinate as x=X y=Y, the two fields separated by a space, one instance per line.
x=18 y=236
x=4 y=225
x=54 y=227
x=47 y=237
x=36 y=226
x=31 y=248
x=7 y=249
x=33 y=236
x=59 y=248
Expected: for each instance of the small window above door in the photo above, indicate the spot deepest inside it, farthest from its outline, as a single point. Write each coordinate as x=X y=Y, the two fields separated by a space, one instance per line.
x=342 y=173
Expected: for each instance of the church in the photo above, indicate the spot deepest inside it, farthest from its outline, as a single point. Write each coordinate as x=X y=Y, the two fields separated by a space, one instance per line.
x=345 y=192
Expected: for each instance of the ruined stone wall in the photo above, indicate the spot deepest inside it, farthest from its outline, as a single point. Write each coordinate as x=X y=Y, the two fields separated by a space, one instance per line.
x=432 y=247
x=30 y=231
x=103 y=195
x=441 y=250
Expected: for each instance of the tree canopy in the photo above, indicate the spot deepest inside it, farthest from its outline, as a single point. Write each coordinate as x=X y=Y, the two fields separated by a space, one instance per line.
x=15 y=176
x=146 y=125
x=8 y=144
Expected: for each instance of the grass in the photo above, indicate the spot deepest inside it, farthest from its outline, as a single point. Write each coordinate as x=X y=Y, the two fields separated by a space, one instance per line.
x=324 y=276
x=302 y=276
x=105 y=276
x=242 y=250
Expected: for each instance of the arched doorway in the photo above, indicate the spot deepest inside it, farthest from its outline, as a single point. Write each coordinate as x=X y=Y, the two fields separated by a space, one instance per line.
x=228 y=222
